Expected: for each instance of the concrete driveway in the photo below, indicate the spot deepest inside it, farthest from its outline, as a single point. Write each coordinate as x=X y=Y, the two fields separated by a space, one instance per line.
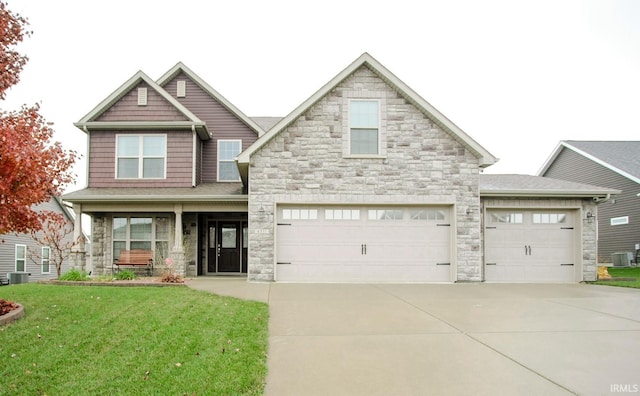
x=457 y=339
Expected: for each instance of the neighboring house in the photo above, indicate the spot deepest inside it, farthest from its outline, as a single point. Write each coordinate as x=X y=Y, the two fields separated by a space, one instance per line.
x=613 y=164
x=17 y=250
x=364 y=182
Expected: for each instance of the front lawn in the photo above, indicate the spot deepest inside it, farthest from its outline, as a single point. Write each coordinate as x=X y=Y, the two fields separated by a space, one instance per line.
x=132 y=341
x=632 y=272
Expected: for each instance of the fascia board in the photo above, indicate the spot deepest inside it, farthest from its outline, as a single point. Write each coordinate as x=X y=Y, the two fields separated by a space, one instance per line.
x=160 y=198
x=551 y=158
x=201 y=127
x=209 y=89
x=126 y=87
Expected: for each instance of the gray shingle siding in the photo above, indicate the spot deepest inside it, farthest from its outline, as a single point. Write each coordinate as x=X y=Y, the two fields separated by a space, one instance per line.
x=572 y=166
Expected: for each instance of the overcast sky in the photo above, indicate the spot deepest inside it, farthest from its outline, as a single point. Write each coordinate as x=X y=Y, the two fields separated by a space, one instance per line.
x=517 y=76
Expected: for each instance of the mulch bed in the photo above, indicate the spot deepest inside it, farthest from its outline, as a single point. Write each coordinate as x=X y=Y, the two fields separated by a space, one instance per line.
x=153 y=282
x=10 y=311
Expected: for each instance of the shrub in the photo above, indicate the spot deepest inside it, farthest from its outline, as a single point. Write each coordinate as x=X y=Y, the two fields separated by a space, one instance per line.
x=75 y=275
x=126 y=275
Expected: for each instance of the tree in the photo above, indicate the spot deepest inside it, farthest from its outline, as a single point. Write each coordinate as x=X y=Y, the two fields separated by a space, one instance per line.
x=56 y=234
x=33 y=169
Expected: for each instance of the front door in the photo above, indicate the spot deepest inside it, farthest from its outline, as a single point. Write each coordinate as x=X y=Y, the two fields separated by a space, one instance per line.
x=229 y=247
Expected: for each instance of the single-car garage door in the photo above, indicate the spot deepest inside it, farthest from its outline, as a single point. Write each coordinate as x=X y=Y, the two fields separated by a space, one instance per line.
x=530 y=246
x=363 y=244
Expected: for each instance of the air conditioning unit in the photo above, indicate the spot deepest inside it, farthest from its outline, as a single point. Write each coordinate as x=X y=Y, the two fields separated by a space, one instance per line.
x=18 y=277
x=622 y=259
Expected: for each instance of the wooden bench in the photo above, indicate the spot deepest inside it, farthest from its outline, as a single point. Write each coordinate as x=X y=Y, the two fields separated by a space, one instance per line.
x=135 y=258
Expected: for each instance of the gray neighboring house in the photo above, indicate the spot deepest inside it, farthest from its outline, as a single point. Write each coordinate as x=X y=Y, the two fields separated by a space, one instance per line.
x=365 y=181
x=16 y=249
x=612 y=164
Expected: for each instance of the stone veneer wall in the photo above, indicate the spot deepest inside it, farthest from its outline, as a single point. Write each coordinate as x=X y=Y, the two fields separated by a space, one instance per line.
x=99 y=244
x=589 y=248
x=422 y=164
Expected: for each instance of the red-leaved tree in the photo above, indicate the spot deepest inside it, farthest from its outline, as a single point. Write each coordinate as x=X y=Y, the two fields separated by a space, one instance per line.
x=33 y=169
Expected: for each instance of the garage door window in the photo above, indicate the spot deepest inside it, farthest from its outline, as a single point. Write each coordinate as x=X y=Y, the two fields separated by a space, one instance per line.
x=511 y=218
x=381 y=214
x=299 y=214
x=427 y=214
x=549 y=218
x=341 y=214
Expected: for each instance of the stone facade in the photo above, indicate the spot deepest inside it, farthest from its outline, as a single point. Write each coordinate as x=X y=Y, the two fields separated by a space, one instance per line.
x=419 y=164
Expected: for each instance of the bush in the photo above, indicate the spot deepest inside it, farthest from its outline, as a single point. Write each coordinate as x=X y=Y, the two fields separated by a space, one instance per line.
x=74 y=275
x=126 y=275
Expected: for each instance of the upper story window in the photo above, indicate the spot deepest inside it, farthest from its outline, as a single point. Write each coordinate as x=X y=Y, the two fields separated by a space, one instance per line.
x=364 y=127
x=141 y=156
x=228 y=150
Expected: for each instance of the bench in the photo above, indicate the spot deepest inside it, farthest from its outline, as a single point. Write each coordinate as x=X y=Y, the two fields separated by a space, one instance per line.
x=135 y=258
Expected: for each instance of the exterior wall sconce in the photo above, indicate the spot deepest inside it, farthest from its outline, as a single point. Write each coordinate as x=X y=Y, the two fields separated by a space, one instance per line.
x=590 y=217
x=469 y=211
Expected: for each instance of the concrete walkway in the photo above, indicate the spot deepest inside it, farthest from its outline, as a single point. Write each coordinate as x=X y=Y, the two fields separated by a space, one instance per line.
x=457 y=339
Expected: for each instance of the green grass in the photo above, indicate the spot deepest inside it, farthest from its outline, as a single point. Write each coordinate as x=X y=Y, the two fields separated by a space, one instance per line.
x=132 y=341
x=633 y=272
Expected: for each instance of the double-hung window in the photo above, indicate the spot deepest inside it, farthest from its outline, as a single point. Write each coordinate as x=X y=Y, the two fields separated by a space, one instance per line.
x=228 y=150
x=141 y=156
x=364 y=127
x=21 y=258
x=46 y=259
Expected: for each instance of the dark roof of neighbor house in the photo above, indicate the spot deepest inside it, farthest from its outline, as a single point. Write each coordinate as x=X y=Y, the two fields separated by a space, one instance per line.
x=622 y=157
x=537 y=186
x=200 y=193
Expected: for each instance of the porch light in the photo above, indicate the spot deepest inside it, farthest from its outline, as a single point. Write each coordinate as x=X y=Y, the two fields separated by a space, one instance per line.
x=590 y=217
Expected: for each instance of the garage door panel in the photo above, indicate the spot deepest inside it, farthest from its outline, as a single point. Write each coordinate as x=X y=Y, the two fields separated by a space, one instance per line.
x=534 y=249
x=393 y=245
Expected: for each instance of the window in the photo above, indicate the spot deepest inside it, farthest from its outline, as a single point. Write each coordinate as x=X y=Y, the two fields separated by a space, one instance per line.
x=228 y=150
x=342 y=214
x=549 y=218
x=141 y=156
x=385 y=214
x=619 y=220
x=46 y=259
x=145 y=233
x=427 y=214
x=299 y=214
x=364 y=120
x=512 y=218
x=21 y=258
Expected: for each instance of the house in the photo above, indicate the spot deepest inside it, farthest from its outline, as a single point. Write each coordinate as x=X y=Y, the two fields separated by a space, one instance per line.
x=365 y=181
x=613 y=164
x=21 y=253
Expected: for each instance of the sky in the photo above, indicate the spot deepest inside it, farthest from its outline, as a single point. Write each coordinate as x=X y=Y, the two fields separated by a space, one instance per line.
x=517 y=76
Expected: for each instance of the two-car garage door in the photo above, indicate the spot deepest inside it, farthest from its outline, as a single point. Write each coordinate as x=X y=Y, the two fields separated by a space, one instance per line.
x=530 y=246
x=363 y=244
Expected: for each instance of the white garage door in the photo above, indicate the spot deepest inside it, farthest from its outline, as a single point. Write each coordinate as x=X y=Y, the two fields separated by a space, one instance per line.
x=530 y=246
x=363 y=244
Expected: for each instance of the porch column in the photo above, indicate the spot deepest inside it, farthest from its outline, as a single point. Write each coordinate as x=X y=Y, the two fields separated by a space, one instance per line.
x=78 y=254
x=177 y=253
x=177 y=245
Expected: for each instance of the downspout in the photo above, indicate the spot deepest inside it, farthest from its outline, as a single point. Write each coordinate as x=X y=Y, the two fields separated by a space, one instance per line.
x=86 y=130
x=193 y=156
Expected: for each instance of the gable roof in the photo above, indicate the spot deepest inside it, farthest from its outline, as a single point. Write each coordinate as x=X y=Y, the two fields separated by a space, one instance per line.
x=486 y=158
x=537 y=186
x=181 y=67
x=621 y=157
x=89 y=121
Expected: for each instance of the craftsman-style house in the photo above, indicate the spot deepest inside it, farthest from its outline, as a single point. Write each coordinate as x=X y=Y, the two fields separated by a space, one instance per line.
x=365 y=181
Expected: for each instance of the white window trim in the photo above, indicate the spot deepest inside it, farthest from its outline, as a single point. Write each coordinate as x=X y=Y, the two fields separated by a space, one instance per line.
x=622 y=220
x=218 y=160
x=42 y=260
x=382 y=123
x=15 y=261
x=141 y=157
